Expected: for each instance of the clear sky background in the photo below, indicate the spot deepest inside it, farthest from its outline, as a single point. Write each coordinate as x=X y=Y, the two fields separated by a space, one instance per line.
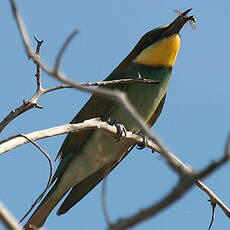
x=194 y=123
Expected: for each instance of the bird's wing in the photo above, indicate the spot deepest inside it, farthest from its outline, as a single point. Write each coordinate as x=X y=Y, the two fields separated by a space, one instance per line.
x=85 y=186
x=157 y=113
x=98 y=106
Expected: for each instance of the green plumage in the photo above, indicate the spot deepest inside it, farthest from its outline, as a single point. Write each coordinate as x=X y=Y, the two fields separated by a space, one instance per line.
x=86 y=157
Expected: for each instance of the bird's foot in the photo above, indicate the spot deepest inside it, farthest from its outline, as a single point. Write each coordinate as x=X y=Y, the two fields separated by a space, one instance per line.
x=139 y=76
x=143 y=144
x=121 y=131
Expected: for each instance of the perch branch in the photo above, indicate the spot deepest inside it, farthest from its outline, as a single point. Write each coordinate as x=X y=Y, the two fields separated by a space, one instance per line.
x=15 y=141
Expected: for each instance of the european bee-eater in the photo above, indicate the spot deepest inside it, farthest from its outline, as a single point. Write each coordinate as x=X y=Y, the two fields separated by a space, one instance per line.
x=87 y=157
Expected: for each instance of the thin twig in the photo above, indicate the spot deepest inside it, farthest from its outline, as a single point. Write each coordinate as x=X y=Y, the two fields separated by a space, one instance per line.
x=214 y=197
x=39 y=43
x=50 y=176
x=121 y=81
x=8 y=220
x=32 y=103
x=62 y=50
x=15 y=113
x=104 y=83
x=38 y=74
x=213 y=214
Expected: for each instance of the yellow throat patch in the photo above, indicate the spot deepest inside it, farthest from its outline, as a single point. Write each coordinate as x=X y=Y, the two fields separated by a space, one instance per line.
x=162 y=53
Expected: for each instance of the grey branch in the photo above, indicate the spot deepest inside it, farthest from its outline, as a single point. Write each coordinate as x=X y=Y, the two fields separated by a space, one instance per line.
x=15 y=141
x=104 y=83
x=38 y=74
x=62 y=50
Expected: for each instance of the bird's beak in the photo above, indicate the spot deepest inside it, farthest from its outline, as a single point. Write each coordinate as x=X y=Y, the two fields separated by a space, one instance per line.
x=178 y=23
x=186 y=11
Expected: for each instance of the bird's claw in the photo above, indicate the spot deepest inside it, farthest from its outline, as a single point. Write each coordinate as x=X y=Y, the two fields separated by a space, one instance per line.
x=143 y=144
x=109 y=122
x=121 y=131
x=139 y=76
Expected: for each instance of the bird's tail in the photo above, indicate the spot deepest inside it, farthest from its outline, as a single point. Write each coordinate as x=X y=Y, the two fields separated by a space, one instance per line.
x=44 y=209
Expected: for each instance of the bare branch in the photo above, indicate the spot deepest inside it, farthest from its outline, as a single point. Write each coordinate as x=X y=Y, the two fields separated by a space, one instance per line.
x=32 y=103
x=39 y=43
x=38 y=74
x=8 y=220
x=121 y=81
x=104 y=83
x=15 y=141
x=15 y=113
x=213 y=214
x=62 y=50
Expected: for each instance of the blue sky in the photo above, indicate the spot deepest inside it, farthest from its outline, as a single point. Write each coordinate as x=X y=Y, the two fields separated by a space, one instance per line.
x=194 y=123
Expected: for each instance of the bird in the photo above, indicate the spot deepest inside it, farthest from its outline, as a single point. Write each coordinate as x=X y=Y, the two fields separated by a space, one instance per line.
x=86 y=157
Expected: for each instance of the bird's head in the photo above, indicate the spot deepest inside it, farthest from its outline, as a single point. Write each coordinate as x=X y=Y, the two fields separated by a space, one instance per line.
x=159 y=47
x=178 y=23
